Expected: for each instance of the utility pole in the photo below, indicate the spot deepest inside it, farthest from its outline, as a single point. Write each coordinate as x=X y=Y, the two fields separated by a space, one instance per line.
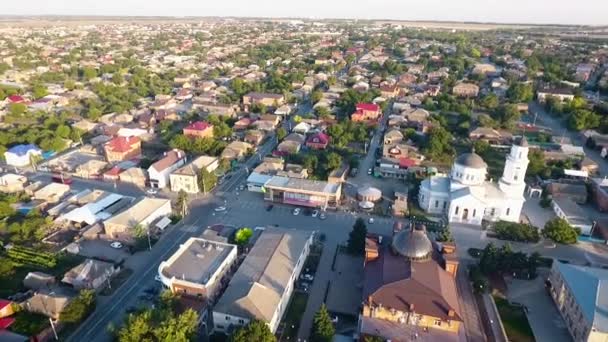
x=53 y=327
x=149 y=242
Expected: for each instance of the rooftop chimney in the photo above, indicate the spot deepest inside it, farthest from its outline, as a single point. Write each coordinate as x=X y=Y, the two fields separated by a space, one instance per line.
x=451 y=313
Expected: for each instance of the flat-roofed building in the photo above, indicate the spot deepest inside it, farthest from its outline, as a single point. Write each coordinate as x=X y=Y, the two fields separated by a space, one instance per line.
x=303 y=192
x=143 y=213
x=567 y=209
x=263 y=284
x=198 y=267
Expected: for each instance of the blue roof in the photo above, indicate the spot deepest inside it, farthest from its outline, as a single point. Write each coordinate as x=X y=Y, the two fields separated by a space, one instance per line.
x=589 y=286
x=22 y=150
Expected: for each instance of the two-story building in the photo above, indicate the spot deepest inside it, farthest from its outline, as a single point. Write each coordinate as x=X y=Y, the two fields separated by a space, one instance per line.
x=160 y=171
x=187 y=177
x=122 y=148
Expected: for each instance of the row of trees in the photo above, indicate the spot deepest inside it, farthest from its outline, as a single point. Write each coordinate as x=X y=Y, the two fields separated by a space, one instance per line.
x=514 y=231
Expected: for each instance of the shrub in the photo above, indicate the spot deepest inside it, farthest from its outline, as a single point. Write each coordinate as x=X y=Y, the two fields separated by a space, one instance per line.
x=516 y=232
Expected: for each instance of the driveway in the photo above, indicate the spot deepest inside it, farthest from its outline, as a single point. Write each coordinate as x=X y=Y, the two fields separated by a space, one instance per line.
x=544 y=319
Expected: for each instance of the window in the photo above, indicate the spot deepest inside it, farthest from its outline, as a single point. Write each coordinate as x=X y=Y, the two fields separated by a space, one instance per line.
x=445 y=204
x=227 y=318
x=474 y=212
x=437 y=322
x=515 y=177
x=219 y=326
x=421 y=198
x=241 y=321
x=493 y=212
x=456 y=211
x=436 y=204
x=508 y=211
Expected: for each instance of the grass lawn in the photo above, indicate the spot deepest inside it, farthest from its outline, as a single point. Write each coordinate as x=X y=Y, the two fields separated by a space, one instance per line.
x=294 y=313
x=515 y=321
x=14 y=283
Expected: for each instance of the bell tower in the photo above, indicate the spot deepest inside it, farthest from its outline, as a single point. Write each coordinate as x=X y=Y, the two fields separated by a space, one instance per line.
x=512 y=181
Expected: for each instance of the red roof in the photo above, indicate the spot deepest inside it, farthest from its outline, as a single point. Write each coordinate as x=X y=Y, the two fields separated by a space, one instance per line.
x=4 y=303
x=319 y=138
x=368 y=106
x=407 y=162
x=122 y=144
x=6 y=322
x=16 y=98
x=199 y=126
x=113 y=171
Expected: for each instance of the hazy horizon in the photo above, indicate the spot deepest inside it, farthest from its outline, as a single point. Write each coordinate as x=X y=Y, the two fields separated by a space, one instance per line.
x=581 y=12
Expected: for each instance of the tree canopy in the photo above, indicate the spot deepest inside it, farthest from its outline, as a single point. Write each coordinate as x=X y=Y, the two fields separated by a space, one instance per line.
x=254 y=331
x=560 y=231
x=356 y=238
x=322 y=328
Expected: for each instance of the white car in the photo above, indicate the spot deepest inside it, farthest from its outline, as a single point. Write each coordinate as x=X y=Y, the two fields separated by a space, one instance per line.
x=315 y=213
x=152 y=191
x=307 y=277
x=296 y=211
x=369 y=171
x=371 y=220
x=116 y=245
x=218 y=209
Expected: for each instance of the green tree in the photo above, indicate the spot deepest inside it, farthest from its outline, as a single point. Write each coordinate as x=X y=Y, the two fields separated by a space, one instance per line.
x=520 y=92
x=221 y=130
x=356 y=238
x=254 y=331
x=281 y=133
x=490 y=101
x=89 y=73
x=582 y=119
x=438 y=143
x=560 y=231
x=316 y=96
x=206 y=181
x=17 y=109
x=79 y=308
x=39 y=91
x=322 y=328
x=333 y=161
x=242 y=236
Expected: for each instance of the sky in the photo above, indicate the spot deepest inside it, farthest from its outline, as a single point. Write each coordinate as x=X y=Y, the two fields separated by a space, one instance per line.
x=584 y=12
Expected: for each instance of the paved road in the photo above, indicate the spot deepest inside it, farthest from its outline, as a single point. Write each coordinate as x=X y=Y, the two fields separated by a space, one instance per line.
x=558 y=126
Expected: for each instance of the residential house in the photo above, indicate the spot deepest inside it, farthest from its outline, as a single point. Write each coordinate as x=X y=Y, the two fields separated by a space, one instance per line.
x=318 y=141
x=561 y=94
x=22 y=155
x=221 y=109
x=123 y=148
x=142 y=213
x=465 y=90
x=52 y=192
x=599 y=193
x=11 y=183
x=262 y=286
x=575 y=191
x=38 y=280
x=198 y=268
x=91 y=274
x=491 y=135
x=568 y=210
x=254 y=137
x=581 y=296
x=134 y=175
x=484 y=69
x=186 y=178
x=302 y=128
x=159 y=171
x=266 y=99
x=293 y=171
x=389 y=91
x=242 y=124
x=291 y=144
x=236 y=150
x=199 y=129
x=50 y=302
x=409 y=286
x=365 y=112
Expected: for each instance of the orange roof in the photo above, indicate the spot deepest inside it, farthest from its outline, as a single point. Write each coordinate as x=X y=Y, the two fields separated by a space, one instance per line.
x=122 y=144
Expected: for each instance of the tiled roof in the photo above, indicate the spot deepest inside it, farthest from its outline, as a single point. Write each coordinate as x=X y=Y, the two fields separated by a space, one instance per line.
x=367 y=106
x=199 y=126
x=122 y=144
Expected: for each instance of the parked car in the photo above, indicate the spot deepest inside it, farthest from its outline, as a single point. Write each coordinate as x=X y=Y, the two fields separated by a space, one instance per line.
x=371 y=220
x=315 y=213
x=369 y=171
x=322 y=216
x=308 y=277
x=296 y=211
x=334 y=319
x=353 y=172
x=219 y=209
x=269 y=207
x=116 y=245
x=152 y=191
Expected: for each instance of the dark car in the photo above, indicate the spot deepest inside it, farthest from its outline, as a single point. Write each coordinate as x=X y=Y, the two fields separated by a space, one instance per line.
x=269 y=207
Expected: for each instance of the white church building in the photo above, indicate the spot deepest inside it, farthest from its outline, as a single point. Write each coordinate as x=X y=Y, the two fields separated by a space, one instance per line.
x=467 y=197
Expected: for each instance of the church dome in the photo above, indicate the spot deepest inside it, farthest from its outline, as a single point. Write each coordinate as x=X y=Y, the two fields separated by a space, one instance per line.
x=472 y=160
x=413 y=243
